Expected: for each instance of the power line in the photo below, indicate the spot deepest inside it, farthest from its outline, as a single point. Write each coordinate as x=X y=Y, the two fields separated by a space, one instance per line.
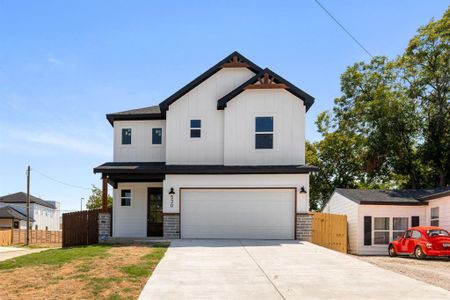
x=343 y=28
x=61 y=182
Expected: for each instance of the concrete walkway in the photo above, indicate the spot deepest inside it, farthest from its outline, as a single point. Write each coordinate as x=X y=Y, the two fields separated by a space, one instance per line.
x=11 y=252
x=250 y=269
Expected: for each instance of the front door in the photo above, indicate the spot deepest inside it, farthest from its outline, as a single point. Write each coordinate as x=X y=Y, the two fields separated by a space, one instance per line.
x=154 y=212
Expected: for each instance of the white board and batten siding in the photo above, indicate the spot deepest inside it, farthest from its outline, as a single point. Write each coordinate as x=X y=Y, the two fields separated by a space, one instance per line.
x=131 y=221
x=141 y=148
x=288 y=114
x=444 y=211
x=339 y=204
x=201 y=103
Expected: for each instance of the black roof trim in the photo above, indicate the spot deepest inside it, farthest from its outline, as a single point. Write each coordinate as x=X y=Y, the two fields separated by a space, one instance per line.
x=307 y=99
x=164 y=105
x=436 y=196
x=21 y=197
x=145 y=113
x=162 y=168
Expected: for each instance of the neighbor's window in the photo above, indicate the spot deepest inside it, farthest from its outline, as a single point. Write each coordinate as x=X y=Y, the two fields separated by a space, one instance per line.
x=16 y=224
x=196 y=128
x=381 y=231
x=36 y=227
x=125 y=197
x=126 y=136
x=156 y=136
x=264 y=133
x=434 y=221
x=399 y=226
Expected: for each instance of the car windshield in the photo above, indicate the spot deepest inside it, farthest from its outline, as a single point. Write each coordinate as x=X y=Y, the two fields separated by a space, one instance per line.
x=437 y=232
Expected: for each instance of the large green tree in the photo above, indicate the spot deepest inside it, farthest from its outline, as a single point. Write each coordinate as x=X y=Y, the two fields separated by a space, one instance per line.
x=390 y=128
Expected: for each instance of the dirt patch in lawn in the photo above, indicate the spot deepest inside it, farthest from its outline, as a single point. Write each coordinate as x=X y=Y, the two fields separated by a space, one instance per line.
x=109 y=272
x=433 y=271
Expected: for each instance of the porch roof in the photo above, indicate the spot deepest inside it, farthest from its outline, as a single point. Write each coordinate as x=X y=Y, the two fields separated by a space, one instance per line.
x=155 y=168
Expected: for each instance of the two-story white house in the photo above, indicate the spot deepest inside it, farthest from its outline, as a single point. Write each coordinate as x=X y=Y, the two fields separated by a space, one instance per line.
x=44 y=215
x=223 y=157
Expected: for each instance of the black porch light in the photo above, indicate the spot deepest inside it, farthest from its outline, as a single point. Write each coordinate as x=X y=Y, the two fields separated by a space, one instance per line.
x=172 y=191
x=302 y=190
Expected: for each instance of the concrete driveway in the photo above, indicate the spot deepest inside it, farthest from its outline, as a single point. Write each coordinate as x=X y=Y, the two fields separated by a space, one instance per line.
x=12 y=252
x=261 y=269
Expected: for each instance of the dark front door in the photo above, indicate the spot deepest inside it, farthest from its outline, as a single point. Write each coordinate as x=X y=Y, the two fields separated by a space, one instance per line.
x=154 y=212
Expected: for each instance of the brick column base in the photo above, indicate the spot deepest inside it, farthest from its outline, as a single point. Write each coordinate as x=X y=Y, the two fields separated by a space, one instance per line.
x=104 y=226
x=171 y=226
x=304 y=227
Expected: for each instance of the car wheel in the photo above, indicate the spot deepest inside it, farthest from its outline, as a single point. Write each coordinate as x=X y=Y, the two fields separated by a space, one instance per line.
x=392 y=252
x=418 y=253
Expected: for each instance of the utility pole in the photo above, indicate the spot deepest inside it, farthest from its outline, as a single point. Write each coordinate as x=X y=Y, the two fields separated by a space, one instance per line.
x=81 y=203
x=28 y=206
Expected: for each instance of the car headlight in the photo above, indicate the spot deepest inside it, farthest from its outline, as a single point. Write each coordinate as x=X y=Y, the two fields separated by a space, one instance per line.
x=429 y=245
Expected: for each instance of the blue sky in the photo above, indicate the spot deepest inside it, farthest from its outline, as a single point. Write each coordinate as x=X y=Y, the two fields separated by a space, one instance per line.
x=65 y=64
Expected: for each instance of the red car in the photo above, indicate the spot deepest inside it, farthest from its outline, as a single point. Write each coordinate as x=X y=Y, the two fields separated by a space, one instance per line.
x=422 y=241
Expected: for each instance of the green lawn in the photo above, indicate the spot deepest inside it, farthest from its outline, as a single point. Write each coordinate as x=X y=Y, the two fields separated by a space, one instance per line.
x=90 y=272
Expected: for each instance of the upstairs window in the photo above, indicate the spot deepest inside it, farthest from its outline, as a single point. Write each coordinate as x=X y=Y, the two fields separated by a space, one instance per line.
x=156 y=136
x=434 y=220
x=264 y=133
x=126 y=136
x=196 y=128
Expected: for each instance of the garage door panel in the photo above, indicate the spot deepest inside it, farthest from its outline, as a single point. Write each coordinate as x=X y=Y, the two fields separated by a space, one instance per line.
x=246 y=213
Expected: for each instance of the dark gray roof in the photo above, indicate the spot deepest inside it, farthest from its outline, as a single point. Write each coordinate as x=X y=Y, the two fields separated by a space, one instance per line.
x=7 y=212
x=145 y=113
x=397 y=197
x=162 y=168
x=21 y=197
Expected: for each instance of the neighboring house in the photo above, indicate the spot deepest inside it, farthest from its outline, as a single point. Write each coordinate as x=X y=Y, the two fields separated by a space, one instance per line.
x=223 y=157
x=44 y=215
x=377 y=217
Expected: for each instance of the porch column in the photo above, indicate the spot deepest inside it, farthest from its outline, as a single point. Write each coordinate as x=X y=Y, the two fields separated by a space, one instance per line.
x=104 y=193
x=104 y=217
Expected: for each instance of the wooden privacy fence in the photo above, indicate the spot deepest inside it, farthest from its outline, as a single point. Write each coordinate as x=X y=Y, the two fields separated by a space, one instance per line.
x=19 y=236
x=330 y=231
x=5 y=237
x=80 y=228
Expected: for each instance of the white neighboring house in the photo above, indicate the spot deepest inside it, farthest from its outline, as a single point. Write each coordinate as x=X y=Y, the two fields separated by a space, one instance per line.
x=223 y=157
x=377 y=217
x=44 y=215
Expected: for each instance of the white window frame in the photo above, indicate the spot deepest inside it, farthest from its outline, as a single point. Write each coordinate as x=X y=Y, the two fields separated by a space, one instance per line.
x=120 y=136
x=381 y=230
x=408 y=220
x=202 y=124
x=431 y=215
x=162 y=137
x=120 y=197
x=255 y=133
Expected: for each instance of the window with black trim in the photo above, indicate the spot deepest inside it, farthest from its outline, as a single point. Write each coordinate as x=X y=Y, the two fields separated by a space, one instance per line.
x=434 y=219
x=126 y=136
x=264 y=133
x=156 y=136
x=196 y=128
x=16 y=224
x=125 y=197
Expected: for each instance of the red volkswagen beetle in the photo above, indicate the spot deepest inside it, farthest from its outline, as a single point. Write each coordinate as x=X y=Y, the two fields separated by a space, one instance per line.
x=422 y=241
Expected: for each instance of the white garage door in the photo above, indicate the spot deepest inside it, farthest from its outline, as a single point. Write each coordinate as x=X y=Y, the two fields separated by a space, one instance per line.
x=238 y=213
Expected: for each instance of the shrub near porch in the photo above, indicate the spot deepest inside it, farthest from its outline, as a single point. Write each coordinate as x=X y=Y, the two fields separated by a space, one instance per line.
x=97 y=271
